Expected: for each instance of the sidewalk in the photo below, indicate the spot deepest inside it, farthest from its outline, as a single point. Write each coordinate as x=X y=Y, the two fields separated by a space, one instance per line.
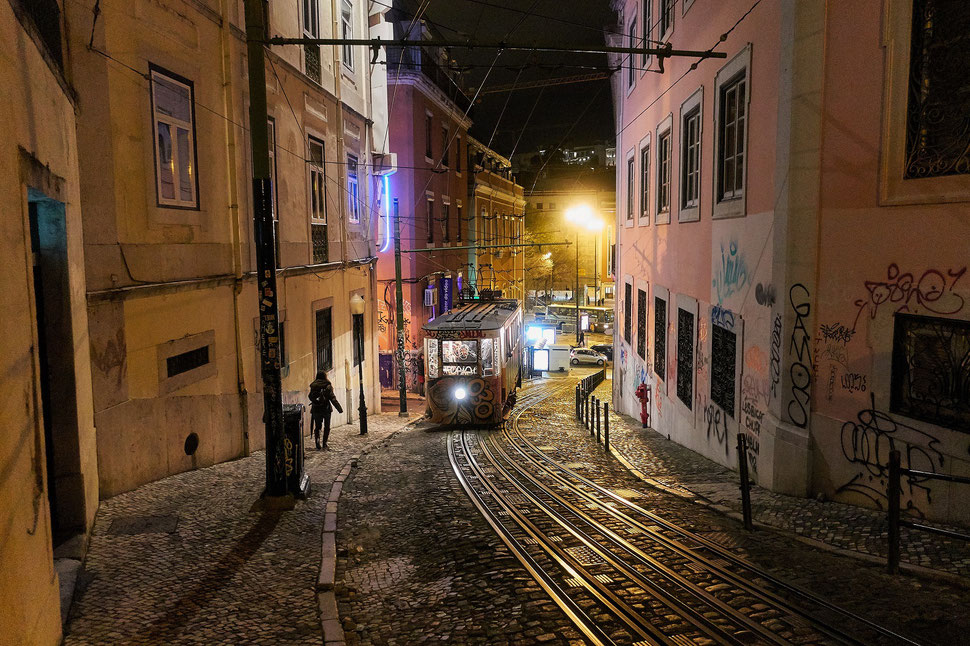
x=852 y=530
x=185 y=559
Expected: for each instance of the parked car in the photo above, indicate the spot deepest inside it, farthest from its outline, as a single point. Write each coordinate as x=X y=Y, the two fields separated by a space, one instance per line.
x=604 y=349
x=587 y=356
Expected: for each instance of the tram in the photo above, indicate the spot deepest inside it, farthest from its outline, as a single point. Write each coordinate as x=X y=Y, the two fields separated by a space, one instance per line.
x=472 y=363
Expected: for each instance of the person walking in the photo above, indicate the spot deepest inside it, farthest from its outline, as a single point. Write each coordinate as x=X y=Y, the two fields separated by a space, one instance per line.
x=322 y=402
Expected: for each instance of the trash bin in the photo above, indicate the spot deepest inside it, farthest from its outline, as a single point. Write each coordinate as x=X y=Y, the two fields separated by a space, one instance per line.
x=297 y=480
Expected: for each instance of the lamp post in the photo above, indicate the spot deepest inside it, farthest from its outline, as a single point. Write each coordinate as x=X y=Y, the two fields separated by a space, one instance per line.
x=581 y=215
x=357 y=309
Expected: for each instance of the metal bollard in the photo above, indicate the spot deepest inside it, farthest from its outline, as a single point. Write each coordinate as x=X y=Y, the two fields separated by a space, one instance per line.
x=893 y=502
x=586 y=411
x=576 y=403
x=597 y=420
x=606 y=425
x=745 y=485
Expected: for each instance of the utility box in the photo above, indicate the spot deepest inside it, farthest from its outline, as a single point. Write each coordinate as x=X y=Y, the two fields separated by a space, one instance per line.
x=559 y=358
x=297 y=480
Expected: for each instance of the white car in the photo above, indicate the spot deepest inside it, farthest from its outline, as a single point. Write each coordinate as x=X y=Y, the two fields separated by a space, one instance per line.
x=583 y=355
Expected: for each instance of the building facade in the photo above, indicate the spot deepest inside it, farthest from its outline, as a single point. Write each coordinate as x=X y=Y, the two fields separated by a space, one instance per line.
x=770 y=279
x=165 y=171
x=48 y=458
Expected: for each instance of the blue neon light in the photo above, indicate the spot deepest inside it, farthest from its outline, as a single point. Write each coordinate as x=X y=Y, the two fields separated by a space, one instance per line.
x=387 y=214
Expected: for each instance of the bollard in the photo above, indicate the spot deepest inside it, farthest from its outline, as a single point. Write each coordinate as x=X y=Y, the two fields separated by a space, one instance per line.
x=586 y=411
x=597 y=420
x=606 y=425
x=893 y=499
x=745 y=485
x=576 y=407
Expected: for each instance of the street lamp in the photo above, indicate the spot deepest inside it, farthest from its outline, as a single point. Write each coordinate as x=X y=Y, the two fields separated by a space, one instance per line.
x=582 y=216
x=357 y=309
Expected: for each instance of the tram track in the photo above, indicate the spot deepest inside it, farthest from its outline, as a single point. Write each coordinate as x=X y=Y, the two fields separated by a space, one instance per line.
x=620 y=572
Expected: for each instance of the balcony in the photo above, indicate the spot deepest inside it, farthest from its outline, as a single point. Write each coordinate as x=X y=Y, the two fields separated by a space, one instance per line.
x=424 y=60
x=321 y=249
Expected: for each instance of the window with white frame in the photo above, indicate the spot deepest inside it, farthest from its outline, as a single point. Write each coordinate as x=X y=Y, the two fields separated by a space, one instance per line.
x=690 y=158
x=645 y=183
x=631 y=183
x=663 y=172
x=631 y=60
x=666 y=18
x=430 y=220
x=173 y=117
x=311 y=29
x=347 y=31
x=732 y=84
x=446 y=219
x=647 y=30
x=318 y=179
x=353 y=189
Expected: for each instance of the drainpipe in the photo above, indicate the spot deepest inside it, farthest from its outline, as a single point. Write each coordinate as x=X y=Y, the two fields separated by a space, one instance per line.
x=225 y=37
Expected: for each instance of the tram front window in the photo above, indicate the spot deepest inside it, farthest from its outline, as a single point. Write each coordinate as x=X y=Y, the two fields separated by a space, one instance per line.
x=459 y=357
x=487 y=357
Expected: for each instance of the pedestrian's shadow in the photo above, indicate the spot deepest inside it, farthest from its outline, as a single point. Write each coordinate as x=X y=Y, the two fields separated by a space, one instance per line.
x=174 y=619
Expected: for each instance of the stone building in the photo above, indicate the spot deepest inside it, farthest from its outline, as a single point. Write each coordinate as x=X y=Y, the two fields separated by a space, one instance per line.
x=165 y=183
x=48 y=459
x=792 y=240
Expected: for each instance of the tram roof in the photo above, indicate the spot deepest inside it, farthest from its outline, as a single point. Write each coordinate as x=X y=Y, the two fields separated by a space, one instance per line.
x=476 y=315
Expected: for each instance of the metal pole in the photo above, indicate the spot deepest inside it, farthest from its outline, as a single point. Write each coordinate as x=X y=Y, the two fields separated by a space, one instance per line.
x=893 y=497
x=597 y=419
x=596 y=269
x=399 y=297
x=264 y=238
x=362 y=409
x=606 y=425
x=745 y=485
x=577 y=285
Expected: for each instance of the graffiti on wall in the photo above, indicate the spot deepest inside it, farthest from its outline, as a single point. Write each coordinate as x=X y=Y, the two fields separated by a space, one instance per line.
x=799 y=348
x=867 y=442
x=731 y=272
x=775 y=366
x=717 y=428
x=934 y=291
x=722 y=317
x=764 y=294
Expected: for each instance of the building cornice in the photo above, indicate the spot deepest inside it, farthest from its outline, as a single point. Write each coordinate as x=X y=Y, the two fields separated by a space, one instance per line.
x=420 y=82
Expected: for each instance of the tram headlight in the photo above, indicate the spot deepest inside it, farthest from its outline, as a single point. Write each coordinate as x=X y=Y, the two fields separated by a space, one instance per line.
x=460 y=392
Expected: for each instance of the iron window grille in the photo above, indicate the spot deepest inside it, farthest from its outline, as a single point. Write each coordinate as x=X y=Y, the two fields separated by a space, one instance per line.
x=937 y=129
x=731 y=139
x=642 y=324
x=318 y=200
x=723 y=368
x=660 y=337
x=685 y=357
x=627 y=311
x=324 y=335
x=930 y=378
x=311 y=29
x=173 y=119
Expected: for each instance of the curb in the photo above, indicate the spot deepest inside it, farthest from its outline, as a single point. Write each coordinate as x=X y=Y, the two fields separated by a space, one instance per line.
x=333 y=632
x=724 y=510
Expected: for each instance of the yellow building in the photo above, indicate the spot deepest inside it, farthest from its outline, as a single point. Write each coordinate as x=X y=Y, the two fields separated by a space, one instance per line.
x=48 y=461
x=165 y=183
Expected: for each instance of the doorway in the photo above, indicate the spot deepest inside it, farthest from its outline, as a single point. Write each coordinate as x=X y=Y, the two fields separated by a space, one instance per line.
x=55 y=353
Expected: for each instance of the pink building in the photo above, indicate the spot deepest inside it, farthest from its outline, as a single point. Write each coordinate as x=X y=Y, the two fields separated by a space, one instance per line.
x=793 y=240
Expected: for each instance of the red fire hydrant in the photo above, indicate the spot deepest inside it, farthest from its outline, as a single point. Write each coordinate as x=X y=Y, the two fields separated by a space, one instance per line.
x=643 y=394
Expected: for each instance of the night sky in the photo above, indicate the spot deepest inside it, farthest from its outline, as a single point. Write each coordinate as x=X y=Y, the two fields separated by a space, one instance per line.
x=557 y=109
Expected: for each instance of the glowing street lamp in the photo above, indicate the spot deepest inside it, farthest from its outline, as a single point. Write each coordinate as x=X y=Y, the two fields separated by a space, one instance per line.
x=582 y=216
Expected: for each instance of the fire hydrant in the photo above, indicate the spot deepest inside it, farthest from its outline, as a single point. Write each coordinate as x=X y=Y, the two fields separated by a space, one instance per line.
x=643 y=394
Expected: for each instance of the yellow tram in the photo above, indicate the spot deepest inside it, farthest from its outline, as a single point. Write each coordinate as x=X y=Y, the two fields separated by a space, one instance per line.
x=472 y=363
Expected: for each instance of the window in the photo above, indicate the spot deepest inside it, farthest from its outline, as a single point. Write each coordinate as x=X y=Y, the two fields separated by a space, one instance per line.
x=430 y=220
x=324 y=335
x=488 y=357
x=931 y=370
x=318 y=200
x=186 y=361
x=428 y=152
x=627 y=311
x=431 y=352
x=685 y=357
x=663 y=177
x=647 y=20
x=446 y=220
x=731 y=139
x=461 y=224
x=353 y=190
x=347 y=31
x=666 y=18
x=660 y=337
x=539 y=205
x=459 y=357
x=311 y=29
x=179 y=363
x=690 y=159
x=631 y=61
x=173 y=116
x=445 y=139
x=630 y=187
x=645 y=184
x=723 y=367
x=642 y=324
x=937 y=137
x=458 y=158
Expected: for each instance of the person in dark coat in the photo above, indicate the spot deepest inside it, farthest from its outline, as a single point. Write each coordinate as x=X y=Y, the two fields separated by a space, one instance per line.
x=322 y=402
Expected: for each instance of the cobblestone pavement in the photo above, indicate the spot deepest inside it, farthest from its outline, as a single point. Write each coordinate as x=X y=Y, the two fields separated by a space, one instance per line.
x=185 y=561
x=931 y=610
x=838 y=525
x=417 y=563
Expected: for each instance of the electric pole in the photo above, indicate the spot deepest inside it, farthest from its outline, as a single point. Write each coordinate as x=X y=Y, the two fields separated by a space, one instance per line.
x=269 y=339
x=399 y=297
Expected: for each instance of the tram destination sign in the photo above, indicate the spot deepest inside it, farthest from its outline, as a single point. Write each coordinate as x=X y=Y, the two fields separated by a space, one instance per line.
x=456 y=334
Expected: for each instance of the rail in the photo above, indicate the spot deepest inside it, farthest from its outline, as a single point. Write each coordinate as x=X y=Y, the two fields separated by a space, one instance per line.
x=894 y=486
x=593 y=413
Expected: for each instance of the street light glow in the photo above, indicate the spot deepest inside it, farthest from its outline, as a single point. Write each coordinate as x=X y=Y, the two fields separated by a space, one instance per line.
x=582 y=215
